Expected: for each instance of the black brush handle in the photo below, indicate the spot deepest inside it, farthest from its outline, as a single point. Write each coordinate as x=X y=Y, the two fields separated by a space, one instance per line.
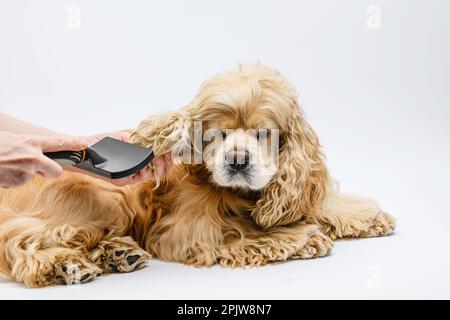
x=67 y=158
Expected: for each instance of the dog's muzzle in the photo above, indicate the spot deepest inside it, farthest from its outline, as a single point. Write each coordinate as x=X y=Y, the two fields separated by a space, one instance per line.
x=237 y=161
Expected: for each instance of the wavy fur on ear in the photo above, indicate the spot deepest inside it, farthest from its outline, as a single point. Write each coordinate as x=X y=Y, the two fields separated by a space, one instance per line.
x=300 y=185
x=164 y=133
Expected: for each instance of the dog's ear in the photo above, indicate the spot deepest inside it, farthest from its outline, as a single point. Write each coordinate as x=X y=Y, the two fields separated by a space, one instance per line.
x=169 y=132
x=300 y=185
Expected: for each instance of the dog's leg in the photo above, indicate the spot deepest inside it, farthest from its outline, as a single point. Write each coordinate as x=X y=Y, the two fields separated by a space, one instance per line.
x=348 y=216
x=203 y=239
x=37 y=255
x=119 y=254
x=277 y=244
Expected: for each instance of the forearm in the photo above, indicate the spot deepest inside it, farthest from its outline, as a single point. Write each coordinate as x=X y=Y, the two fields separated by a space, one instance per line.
x=13 y=125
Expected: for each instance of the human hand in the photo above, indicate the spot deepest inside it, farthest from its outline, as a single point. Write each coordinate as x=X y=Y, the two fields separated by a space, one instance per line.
x=21 y=156
x=123 y=135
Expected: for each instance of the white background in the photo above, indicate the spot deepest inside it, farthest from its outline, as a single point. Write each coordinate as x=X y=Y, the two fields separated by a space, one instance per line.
x=379 y=100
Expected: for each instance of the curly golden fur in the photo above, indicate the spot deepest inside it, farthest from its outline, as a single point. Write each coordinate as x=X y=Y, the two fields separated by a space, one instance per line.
x=74 y=228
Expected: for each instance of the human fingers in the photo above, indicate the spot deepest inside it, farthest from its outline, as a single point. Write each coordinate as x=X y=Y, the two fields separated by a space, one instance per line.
x=168 y=161
x=143 y=175
x=13 y=177
x=47 y=167
x=123 y=135
x=56 y=143
x=159 y=167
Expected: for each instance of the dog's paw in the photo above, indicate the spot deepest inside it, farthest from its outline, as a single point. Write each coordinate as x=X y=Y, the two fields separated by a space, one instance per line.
x=381 y=225
x=119 y=254
x=125 y=259
x=306 y=242
x=74 y=270
x=318 y=245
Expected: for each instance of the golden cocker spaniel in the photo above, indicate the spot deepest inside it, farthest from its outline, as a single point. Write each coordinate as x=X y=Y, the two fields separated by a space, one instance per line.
x=249 y=186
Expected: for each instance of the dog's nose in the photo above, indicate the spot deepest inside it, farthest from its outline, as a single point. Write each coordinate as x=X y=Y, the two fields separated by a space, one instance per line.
x=238 y=160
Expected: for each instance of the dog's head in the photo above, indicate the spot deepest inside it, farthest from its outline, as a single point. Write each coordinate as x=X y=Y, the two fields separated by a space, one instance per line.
x=246 y=128
x=241 y=116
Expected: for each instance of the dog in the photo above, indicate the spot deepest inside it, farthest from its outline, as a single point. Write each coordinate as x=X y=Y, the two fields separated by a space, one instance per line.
x=258 y=208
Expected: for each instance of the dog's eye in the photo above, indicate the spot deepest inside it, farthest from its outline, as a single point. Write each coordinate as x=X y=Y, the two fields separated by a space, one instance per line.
x=224 y=133
x=262 y=133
